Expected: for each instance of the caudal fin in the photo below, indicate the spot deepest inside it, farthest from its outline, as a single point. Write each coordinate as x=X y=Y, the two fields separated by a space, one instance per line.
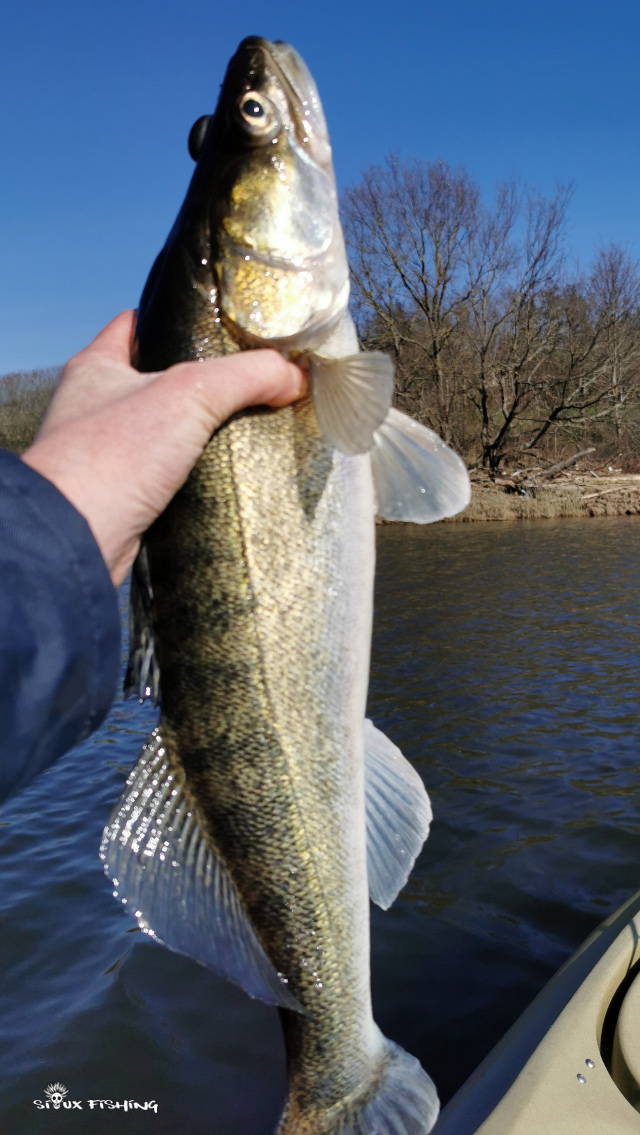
x=399 y=1100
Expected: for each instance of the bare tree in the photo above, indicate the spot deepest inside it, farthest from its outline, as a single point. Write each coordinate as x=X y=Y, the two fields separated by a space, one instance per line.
x=593 y=374
x=515 y=257
x=407 y=229
x=613 y=291
x=496 y=347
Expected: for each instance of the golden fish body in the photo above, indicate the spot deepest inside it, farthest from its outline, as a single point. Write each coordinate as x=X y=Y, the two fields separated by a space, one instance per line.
x=266 y=556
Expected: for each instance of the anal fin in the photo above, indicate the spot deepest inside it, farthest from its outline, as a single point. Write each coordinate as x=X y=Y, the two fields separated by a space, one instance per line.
x=398 y=814
x=168 y=873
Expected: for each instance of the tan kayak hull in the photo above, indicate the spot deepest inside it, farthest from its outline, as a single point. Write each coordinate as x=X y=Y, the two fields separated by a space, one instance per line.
x=563 y=1085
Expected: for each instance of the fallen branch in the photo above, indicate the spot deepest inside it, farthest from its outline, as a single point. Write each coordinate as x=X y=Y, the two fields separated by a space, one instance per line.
x=523 y=472
x=567 y=463
x=604 y=492
x=622 y=478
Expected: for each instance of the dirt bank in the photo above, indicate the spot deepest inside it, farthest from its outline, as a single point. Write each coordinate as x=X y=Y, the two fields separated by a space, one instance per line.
x=590 y=494
x=552 y=501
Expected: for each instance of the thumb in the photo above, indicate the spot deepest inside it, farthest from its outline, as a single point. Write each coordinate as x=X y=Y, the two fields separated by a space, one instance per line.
x=208 y=392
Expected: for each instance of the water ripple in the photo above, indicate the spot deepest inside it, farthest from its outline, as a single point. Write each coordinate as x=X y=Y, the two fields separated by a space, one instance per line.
x=506 y=667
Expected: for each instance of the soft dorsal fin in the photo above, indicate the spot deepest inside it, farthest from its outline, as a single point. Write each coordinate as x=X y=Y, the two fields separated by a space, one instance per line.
x=174 y=882
x=398 y=816
x=416 y=476
x=351 y=397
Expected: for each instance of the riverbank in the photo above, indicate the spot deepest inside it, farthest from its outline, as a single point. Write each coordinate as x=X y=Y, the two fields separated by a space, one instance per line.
x=606 y=496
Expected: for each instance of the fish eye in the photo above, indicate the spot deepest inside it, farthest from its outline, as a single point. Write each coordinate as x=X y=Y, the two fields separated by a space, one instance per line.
x=257 y=115
x=251 y=108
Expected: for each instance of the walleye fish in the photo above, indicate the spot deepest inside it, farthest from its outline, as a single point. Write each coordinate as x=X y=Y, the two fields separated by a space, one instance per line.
x=263 y=810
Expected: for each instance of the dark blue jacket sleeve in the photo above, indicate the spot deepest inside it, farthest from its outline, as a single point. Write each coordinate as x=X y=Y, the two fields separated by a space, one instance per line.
x=59 y=626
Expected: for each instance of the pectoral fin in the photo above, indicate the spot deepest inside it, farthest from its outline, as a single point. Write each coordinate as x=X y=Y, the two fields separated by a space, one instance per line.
x=398 y=816
x=351 y=397
x=415 y=475
x=172 y=879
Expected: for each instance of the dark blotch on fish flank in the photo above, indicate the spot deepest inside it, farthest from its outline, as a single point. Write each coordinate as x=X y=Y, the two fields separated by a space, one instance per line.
x=314 y=457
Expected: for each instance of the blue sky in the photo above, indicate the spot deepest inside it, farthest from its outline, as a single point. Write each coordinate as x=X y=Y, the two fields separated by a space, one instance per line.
x=98 y=97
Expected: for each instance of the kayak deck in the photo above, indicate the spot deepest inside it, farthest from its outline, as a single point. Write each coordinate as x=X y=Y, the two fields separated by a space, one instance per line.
x=571 y=1064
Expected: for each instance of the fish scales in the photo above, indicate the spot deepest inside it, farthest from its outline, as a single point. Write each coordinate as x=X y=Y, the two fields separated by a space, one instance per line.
x=261 y=570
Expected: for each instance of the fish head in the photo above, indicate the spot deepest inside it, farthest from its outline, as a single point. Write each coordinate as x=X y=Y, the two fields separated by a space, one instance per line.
x=279 y=273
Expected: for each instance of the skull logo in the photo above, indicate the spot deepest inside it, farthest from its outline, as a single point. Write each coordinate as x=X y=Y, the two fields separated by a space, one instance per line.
x=56 y=1093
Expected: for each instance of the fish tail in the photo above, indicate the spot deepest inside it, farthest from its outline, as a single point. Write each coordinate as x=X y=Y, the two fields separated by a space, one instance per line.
x=400 y=1099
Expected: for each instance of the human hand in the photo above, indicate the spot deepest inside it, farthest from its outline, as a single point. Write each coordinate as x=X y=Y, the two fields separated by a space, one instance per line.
x=119 y=444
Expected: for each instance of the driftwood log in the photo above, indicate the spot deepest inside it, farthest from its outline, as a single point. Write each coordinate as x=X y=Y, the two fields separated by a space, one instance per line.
x=605 y=492
x=565 y=464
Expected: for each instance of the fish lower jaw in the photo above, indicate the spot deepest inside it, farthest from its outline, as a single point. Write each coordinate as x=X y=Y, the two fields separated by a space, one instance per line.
x=312 y=335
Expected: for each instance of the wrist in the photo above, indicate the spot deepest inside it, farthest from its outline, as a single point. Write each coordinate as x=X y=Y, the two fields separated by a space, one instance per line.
x=86 y=497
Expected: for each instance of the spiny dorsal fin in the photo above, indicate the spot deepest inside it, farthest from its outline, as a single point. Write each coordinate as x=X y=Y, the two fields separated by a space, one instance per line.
x=351 y=397
x=415 y=475
x=172 y=879
x=398 y=816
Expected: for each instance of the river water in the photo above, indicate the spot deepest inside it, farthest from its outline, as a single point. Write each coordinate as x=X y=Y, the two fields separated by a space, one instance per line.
x=505 y=664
